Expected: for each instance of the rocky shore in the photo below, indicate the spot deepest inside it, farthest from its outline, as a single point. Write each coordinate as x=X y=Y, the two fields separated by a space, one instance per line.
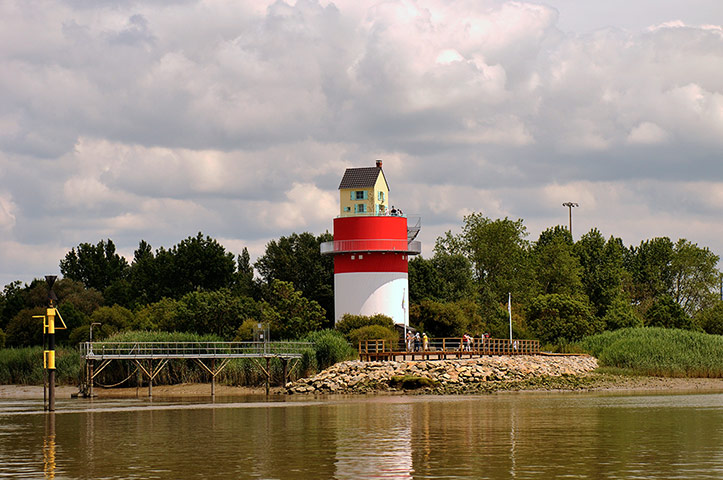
x=483 y=374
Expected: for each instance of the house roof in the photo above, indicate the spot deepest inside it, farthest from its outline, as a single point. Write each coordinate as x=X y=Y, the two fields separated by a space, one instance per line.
x=363 y=177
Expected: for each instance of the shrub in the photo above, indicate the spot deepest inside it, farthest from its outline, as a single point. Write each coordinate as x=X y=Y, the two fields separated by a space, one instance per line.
x=330 y=347
x=621 y=314
x=350 y=322
x=374 y=332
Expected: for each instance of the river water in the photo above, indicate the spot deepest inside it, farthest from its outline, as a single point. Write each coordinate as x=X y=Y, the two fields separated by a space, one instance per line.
x=525 y=435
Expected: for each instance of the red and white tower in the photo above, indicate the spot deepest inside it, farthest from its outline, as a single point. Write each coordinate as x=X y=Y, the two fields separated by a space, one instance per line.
x=371 y=248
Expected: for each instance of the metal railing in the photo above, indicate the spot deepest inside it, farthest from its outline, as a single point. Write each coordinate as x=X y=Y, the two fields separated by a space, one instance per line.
x=450 y=346
x=371 y=245
x=122 y=350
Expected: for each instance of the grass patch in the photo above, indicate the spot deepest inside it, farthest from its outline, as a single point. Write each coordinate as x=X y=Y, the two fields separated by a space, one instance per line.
x=659 y=352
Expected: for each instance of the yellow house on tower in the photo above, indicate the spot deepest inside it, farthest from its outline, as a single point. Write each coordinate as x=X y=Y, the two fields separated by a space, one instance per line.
x=364 y=191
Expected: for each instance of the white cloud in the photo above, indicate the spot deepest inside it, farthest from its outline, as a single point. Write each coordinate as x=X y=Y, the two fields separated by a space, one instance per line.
x=122 y=121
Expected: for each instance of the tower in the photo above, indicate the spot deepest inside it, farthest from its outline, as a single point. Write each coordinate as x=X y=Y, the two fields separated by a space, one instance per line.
x=371 y=248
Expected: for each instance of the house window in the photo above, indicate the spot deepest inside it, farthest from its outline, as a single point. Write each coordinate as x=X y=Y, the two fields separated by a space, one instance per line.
x=360 y=208
x=347 y=209
x=381 y=196
x=359 y=195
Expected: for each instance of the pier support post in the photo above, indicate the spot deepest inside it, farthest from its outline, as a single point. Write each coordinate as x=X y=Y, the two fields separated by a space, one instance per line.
x=213 y=377
x=268 y=375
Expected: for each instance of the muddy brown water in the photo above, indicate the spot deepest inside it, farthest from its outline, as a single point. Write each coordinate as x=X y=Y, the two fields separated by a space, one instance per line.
x=525 y=435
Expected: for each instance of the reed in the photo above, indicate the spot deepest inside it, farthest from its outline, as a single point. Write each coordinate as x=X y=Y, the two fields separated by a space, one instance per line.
x=24 y=366
x=661 y=352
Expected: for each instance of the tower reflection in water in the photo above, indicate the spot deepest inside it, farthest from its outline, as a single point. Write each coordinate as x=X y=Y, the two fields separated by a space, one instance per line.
x=376 y=446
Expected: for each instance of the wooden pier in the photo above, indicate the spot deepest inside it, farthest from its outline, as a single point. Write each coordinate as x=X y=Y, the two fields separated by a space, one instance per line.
x=151 y=357
x=443 y=348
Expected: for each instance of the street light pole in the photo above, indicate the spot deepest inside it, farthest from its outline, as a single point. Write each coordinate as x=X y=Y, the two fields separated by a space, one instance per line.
x=90 y=362
x=570 y=206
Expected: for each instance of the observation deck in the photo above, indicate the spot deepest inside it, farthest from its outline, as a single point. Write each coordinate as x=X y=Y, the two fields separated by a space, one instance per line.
x=371 y=245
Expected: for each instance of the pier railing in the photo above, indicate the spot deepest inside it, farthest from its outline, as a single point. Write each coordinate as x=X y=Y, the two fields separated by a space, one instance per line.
x=157 y=350
x=444 y=347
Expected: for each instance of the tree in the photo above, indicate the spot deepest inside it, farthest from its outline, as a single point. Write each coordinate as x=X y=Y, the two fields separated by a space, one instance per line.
x=201 y=263
x=649 y=265
x=287 y=313
x=711 y=319
x=96 y=266
x=297 y=259
x=12 y=300
x=498 y=253
x=695 y=277
x=161 y=315
x=245 y=284
x=621 y=314
x=557 y=269
x=444 y=277
x=667 y=313
x=220 y=312
x=438 y=319
x=561 y=318
x=602 y=269
x=23 y=330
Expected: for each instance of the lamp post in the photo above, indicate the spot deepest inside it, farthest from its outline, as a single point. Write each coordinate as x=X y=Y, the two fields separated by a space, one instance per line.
x=90 y=361
x=570 y=206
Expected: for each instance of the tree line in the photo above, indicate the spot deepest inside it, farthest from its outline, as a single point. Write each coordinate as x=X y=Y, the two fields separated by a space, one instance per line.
x=561 y=290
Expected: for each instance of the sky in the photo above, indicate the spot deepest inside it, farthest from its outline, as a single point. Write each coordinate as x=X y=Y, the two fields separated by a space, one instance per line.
x=160 y=119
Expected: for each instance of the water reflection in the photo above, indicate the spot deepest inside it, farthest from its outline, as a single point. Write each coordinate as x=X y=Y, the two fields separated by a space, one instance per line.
x=499 y=436
x=49 y=446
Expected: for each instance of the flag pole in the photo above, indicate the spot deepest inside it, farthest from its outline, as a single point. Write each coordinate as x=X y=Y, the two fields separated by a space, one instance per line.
x=509 y=310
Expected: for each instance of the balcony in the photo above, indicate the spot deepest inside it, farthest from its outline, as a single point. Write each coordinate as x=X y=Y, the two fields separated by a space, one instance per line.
x=372 y=245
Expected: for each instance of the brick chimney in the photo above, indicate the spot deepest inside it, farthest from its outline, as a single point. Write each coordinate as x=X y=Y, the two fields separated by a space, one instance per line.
x=379 y=164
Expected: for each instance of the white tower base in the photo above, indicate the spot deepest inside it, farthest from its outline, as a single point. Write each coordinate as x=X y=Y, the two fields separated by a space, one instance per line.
x=369 y=293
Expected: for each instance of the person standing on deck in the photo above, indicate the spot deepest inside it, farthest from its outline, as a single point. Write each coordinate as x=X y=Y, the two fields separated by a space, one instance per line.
x=425 y=342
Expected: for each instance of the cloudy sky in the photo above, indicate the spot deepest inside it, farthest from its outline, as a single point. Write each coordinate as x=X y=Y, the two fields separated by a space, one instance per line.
x=158 y=119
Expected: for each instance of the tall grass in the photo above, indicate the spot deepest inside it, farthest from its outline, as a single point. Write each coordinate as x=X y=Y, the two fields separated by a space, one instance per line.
x=659 y=352
x=24 y=366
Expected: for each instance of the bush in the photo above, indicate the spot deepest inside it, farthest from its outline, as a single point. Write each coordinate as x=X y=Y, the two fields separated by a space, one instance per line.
x=330 y=347
x=349 y=322
x=374 y=332
x=659 y=351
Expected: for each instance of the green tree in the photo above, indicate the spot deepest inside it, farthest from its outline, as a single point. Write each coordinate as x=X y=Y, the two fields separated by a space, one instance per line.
x=557 y=269
x=245 y=284
x=649 y=265
x=711 y=319
x=561 y=318
x=444 y=277
x=667 y=313
x=161 y=315
x=25 y=331
x=621 y=314
x=12 y=301
x=297 y=259
x=602 y=269
x=289 y=314
x=201 y=263
x=219 y=312
x=438 y=319
x=96 y=266
x=695 y=276
x=498 y=253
